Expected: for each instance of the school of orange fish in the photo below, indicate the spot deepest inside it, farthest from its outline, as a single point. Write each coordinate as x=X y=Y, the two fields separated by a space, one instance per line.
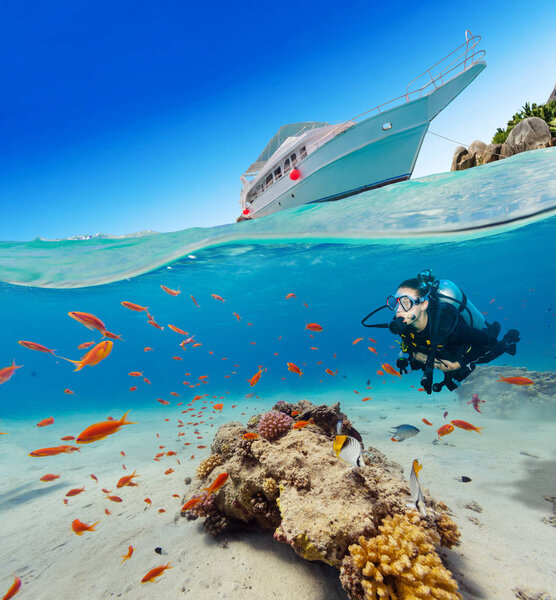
x=101 y=430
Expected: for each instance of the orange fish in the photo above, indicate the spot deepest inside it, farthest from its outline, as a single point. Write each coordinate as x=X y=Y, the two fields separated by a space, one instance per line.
x=114 y=498
x=254 y=380
x=136 y=373
x=13 y=589
x=154 y=324
x=193 y=502
x=111 y=335
x=426 y=422
x=250 y=436
x=147 y=349
x=177 y=329
x=465 y=425
x=174 y=394
x=218 y=406
x=216 y=484
x=295 y=413
x=53 y=451
x=301 y=424
x=94 y=477
x=147 y=380
x=94 y=356
x=445 y=430
x=290 y=295
x=126 y=480
x=217 y=297
x=154 y=573
x=84 y=345
x=79 y=528
x=7 y=372
x=148 y=501
x=130 y=549
x=390 y=370
x=50 y=477
x=167 y=472
x=99 y=431
x=356 y=341
x=380 y=373
x=294 y=369
x=373 y=350
x=163 y=402
x=313 y=327
x=171 y=292
x=516 y=380
x=68 y=391
x=134 y=307
x=89 y=320
x=75 y=492
x=366 y=399
x=333 y=373
x=194 y=301
x=46 y=422
x=38 y=347
x=107 y=512
x=237 y=316
x=133 y=388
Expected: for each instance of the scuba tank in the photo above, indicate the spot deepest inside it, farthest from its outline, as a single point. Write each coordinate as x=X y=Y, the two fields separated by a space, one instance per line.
x=448 y=292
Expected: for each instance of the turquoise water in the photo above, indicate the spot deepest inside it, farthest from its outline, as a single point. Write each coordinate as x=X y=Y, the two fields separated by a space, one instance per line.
x=490 y=230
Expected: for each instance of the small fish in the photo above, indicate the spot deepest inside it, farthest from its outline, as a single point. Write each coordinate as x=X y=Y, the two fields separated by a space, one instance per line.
x=356 y=341
x=330 y=372
x=79 y=527
x=177 y=329
x=193 y=502
x=154 y=573
x=313 y=327
x=75 y=492
x=111 y=335
x=163 y=402
x=171 y=292
x=147 y=380
x=37 y=347
x=216 y=484
x=114 y=498
x=445 y=414
x=148 y=501
x=68 y=391
x=250 y=436
x=85 y=345
x=135 y=307
x=99 y=431
x=7 y=372
x=154 y=324
x=417 y=498
x=94 y=356
x=107 y=512
x=168 y=471
x=255 y=379
x=219 y=406
x=465 y=425
x=13 y=589
x=294 y=369
x=373 y=350
x=290 y=295
x=295 y=413
x=403 y=432
x=53 y=451
x=46 y=422
x=217 y=297
x=390 y=370
x=380 y=373
x=516 y=380
x=348 y=449
x=426 y=422
x=50 y=477
x=301 y=424
x=237 y=316
x=133 y=388
x=194 y=301
x=92 y=476
x=89 y=320
x=129 y=552
x=147 y=349
x=476 y=402
x=445 y=430
x=126 y=480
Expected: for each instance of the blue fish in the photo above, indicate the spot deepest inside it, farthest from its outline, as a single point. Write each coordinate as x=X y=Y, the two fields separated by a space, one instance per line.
x=402 y=432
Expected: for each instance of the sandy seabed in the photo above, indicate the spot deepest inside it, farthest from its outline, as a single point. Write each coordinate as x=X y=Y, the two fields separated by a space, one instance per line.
x=504 y=546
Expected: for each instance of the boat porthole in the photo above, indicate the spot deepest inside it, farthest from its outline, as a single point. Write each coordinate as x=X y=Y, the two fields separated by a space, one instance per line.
x=386 y=126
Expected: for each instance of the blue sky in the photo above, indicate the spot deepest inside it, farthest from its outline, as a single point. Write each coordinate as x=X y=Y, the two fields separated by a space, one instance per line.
x=130 y=116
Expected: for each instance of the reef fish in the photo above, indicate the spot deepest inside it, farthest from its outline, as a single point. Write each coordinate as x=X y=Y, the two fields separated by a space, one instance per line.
x=45 y=422
x=53 y=451
x=7 y=372
x=445 y=430
x=169 y=291
x=476 y=402
x=403 y=432
x=313 y=327
x=216 y=484
x=154 y=573
x=294 y=369
x=14 y=588
x=79 y=527
x=34 y=346
x=129 y=552
x=94 y=356
x=89 y=320
x=134 y=307
x=301 y=424
x=516 y=380
x=417 y=498
x=349 y=450
x=250 y=436
x=390 y=370
x=99 y=431
x=465 y=425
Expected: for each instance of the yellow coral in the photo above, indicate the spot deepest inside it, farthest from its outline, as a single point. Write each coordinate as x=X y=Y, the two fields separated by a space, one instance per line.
x=401 y=563
x=270 y=488
x=206 y=466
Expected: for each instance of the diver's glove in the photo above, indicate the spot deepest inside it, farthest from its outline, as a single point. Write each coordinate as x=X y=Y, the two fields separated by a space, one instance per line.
x=510 y=340
x=426 y=381
x=402 y=364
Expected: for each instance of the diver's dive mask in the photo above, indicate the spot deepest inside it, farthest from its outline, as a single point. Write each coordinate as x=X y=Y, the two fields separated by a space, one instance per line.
x=406 y=302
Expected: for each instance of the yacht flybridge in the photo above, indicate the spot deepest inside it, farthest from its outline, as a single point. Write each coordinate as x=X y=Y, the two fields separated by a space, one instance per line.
x=314 y=161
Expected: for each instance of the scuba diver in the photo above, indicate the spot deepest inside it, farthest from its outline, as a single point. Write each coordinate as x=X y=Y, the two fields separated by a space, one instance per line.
x=441 y=329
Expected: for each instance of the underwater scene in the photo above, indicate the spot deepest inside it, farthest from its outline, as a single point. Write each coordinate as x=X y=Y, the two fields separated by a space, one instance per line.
x=202 y=414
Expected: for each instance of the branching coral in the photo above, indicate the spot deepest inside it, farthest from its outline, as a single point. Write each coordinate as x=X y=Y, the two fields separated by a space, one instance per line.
x=206 y=466
x=273 y=424
x=270 y=488
x=400 y=564
x=448 y=530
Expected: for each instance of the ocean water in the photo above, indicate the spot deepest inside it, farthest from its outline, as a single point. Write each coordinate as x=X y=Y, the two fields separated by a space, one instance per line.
x=491 y=230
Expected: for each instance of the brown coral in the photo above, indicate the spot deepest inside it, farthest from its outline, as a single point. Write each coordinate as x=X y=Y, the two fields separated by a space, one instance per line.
x=401 y=562
x=216 y=523
x=206 y=466
x=448 y=530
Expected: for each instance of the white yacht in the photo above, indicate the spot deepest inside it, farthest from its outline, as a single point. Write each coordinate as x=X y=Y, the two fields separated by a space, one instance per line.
x=314 y=161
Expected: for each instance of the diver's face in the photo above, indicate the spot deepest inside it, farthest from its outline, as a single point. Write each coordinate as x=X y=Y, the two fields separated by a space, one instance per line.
x=417 y=313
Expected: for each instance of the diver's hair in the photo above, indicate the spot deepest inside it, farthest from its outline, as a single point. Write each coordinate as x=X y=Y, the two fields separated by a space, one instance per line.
x=413 y=284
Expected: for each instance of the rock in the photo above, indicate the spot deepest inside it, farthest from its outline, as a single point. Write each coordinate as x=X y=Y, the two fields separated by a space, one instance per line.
x=492 y=152
x=552 y=97
x=526 y=594
x=459 y=154
x=475 y=506
x=532 y=133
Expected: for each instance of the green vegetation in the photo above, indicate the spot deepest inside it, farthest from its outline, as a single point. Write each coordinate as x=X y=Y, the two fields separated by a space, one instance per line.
x=546 y=112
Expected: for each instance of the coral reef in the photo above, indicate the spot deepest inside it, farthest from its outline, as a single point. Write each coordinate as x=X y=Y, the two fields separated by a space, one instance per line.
x=508 y=401
x=295 y=486
x=400 y=562
x=206 y=466
x=216 y=523
x=273 y=424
